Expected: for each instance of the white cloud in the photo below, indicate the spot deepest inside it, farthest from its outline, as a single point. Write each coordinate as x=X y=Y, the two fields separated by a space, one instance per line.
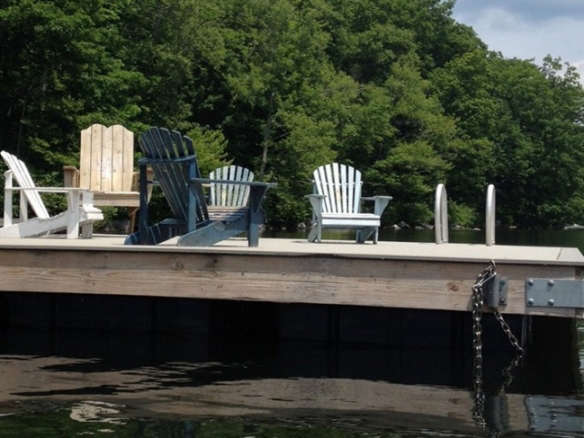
x=520 y=33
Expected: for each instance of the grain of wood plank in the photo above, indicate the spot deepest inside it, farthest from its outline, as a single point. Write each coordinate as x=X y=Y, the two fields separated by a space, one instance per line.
x=317 y=278
x=85 y=159
x=117 y=167
x=128 y=161
x=96 y=157
x=106 y=159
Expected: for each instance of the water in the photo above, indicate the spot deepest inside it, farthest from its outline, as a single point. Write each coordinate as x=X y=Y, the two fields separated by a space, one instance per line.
x=237 y=380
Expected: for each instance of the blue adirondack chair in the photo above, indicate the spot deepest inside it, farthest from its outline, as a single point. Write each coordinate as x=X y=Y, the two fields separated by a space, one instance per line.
x=173 y=160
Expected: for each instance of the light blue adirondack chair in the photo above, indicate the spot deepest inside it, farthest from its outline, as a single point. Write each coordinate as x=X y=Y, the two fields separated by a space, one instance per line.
x=173 y=160
x=336 y=203
x=229 y=195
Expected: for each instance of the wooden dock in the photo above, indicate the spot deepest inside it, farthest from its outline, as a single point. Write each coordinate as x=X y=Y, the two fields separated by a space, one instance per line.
x=389 y=274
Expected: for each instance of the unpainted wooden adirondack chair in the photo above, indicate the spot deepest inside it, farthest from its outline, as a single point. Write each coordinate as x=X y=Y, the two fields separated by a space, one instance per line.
x=80 y=209
x=174 y=162
x=336 y=203
x=106 y=167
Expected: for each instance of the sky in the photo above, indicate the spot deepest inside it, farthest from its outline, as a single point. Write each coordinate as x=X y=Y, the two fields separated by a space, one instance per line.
x=528 y=29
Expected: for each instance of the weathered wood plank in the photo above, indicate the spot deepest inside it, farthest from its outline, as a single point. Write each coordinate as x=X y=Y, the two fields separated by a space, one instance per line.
x=249 y=275
x=96 y=157
x=85 y=159
x=106 y=159
x=128 y=160
x=117 y=169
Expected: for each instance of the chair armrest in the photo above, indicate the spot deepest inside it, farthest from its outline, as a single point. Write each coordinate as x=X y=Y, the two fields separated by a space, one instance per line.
x=228 y=181
x=316 y=202
x=50 y=189
x=86 y=195
x=380 y=203
x=70 y=176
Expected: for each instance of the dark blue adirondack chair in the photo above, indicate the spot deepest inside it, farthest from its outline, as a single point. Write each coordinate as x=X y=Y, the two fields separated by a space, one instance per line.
x=173 y=160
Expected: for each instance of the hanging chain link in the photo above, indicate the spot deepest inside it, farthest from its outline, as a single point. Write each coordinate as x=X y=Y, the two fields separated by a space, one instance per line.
x=477 y=345
x=478 y=301
x=512 y=339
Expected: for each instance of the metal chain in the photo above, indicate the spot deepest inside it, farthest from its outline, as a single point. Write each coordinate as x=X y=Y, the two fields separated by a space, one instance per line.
x=512 y=339
x=478 y=411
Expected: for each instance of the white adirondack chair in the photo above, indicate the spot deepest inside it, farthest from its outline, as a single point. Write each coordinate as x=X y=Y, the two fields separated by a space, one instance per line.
x=80 y=209
x=336 y=203
x=229 y=195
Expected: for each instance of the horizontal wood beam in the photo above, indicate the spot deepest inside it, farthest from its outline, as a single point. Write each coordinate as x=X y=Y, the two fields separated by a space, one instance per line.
x=305 y=278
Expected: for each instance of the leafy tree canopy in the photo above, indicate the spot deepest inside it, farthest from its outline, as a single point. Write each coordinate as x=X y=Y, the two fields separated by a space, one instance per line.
x=397 y=88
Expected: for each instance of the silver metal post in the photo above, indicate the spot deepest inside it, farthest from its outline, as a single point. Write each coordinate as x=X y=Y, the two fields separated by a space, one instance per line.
x=441 y=214
x=490 y=216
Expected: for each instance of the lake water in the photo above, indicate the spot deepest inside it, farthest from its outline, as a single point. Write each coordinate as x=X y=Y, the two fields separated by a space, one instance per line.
x=239 y=381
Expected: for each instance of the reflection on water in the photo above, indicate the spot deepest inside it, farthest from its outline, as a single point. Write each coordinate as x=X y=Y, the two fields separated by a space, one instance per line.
x=322 y=372
x=74 y=383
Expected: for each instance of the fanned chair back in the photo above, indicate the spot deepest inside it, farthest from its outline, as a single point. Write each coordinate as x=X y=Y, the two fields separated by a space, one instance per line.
x=172 y=156
x=23 y=178
x=341 y=186
x=229 y=195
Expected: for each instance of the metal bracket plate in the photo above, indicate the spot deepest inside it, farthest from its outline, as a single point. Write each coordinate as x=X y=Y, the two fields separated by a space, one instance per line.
x=496 y=292
x=547 y=292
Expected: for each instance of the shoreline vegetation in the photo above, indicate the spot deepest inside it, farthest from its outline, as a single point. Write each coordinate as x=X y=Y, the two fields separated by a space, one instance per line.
x=396 y=88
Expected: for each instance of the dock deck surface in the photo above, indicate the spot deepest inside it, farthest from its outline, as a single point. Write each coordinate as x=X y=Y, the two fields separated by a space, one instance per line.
x=460 y=252
x=389 y=274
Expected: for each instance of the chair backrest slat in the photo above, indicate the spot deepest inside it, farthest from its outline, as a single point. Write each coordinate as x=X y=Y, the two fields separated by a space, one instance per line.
x=337 y=188
x=106 y=159
x=340 y=184
x=350 y=188
x=23 y=178
x=230 y=195
x=321 y=187
x=230 y=176
x=357 y=194
x=344 y=208
x=331 y=193
x=246 y=175
x=236 y=187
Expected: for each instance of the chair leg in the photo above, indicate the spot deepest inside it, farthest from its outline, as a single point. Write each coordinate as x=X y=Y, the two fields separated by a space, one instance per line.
x=73 y=215
x=364 y=234
x=132 y=217
x=87 y=230
x=315 y=233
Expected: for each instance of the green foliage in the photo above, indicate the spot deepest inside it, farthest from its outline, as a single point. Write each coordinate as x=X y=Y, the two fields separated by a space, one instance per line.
x=397 y=88
x=461 y=215
x=411 y=170
x=210 y=147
